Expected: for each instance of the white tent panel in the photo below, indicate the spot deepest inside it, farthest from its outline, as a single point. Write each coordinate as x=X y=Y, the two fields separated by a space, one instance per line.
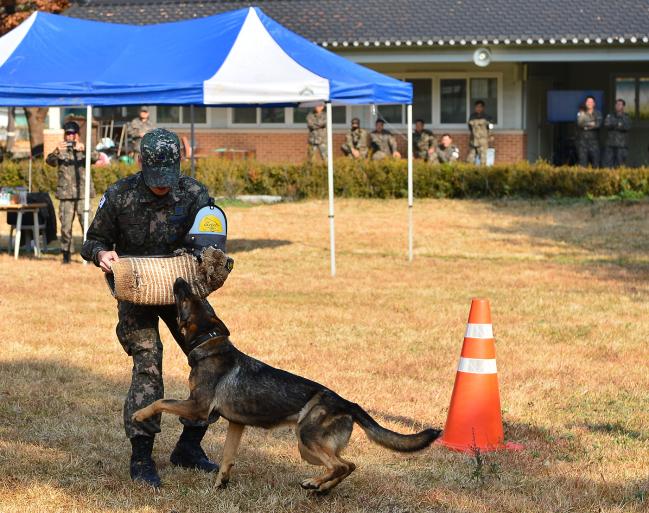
x=257 y=71
x=10 y=41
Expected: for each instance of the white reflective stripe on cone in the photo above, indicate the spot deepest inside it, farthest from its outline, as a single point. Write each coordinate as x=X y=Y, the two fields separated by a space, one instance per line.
x=477 y=366
x=479 y=331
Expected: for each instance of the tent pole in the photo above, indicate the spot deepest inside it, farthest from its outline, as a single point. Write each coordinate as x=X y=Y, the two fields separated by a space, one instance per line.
x=330 y=179
x=193 y=140
x=410 y=186
x=86 y=194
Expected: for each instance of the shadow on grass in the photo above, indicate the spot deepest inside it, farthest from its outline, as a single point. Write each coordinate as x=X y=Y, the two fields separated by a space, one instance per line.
x=60 y=426
x=243 y=245
x=603 y=236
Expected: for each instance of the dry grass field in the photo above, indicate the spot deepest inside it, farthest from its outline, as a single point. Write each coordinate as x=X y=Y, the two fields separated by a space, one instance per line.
x=569 y=288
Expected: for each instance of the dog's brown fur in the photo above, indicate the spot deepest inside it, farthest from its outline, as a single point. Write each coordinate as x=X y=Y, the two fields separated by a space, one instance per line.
x=248 y=392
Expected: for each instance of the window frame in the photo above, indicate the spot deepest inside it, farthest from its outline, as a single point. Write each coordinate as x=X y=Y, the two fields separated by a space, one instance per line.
x=288 y=120
x=636 y=75
x=437 y=125
x=181 y=124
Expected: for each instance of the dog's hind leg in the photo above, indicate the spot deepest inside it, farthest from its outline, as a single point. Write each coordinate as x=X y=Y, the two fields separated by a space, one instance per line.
x=232 y=441
x=321 y=438
x=337 y=470
x=188 y=409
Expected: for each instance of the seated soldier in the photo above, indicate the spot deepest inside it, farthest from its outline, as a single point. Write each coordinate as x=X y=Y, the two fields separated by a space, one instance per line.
x=355 y=144
x=423 y=143
x=447 y=152
x=383 y=143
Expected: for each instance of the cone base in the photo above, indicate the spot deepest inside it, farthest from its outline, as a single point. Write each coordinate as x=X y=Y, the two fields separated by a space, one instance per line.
x=506 y=446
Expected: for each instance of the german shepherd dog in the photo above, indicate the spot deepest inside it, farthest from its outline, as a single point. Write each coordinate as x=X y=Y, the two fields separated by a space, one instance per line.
x=248 y=392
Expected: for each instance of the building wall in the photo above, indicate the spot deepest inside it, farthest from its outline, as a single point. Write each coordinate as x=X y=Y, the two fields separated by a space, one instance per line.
x=291 y=146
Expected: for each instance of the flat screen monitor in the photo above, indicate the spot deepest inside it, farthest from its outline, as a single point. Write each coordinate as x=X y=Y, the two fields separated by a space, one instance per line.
x=563 y=105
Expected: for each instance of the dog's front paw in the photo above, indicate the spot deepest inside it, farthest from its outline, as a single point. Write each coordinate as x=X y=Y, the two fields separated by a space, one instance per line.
x=310 y=484
x=139 y=416
x=221 y=481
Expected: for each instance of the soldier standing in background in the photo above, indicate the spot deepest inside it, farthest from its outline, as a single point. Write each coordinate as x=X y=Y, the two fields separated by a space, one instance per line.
x=480 y=126
x=316 y=122
x=383 y=142
x=137 y=128
x=589 y=121
x=424 y=144
x=447 y=152
x=70 y=158
x=150 y=213
x=355 y=144
x=617 y=141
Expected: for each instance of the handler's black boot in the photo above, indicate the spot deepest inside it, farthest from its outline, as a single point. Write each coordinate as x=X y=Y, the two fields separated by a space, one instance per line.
x=188 y=452
x=66 y=257
x=142 y=466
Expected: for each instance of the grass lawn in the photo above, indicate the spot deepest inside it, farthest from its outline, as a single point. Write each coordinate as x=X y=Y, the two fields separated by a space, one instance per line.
x=569 y=289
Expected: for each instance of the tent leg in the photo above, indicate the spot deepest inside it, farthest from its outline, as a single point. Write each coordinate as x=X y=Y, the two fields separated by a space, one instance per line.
x=330 y=179
x=410 y=184
x=192 y=140
x=86 y=193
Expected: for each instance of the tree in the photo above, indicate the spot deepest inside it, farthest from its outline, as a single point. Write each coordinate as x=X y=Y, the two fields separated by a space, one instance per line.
x=12 y=14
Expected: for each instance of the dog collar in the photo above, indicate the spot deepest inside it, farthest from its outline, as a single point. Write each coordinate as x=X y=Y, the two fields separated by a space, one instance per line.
x=204 y=338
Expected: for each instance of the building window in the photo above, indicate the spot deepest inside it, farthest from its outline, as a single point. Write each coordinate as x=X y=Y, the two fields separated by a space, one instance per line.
x=272 y=115
x=338 y=115
x=244 y=116
x=453 y=101
x=486 y=89
x=175 y=114
x=200 y=115
x=392 y=114
x=458 y=96
x=635 y=92
x=422 y=101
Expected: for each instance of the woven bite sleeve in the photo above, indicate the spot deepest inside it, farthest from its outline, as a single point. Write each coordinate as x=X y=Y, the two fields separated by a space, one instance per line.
x=150 y=280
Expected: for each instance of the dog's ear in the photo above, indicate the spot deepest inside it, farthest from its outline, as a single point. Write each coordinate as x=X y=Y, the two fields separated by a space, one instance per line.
x=220 y=327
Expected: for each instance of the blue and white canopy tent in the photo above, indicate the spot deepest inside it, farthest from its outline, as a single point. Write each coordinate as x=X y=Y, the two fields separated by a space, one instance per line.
x=239 y=58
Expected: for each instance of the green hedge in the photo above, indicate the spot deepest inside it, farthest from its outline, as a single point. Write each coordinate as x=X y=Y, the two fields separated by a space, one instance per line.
x=386 y=179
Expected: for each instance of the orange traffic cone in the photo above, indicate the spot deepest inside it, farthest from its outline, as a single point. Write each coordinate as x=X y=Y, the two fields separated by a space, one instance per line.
x=474 y=419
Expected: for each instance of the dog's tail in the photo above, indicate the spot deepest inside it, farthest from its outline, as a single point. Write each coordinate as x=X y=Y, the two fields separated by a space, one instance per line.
x=390 y=439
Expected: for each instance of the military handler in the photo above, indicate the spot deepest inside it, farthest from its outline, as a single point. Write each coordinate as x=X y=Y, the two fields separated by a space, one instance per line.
x=70 y=158
x=383 y=143
x=355 y=144
x=149 y=213
x=137 y=128
x=480 y=127
x=447 y=152
x=424 y=144
x=316 y=122
x=589 y=121
x=617 y=141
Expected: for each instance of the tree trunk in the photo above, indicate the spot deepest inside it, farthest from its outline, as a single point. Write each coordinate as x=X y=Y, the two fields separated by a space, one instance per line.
x=11 y=129
x=36 y=121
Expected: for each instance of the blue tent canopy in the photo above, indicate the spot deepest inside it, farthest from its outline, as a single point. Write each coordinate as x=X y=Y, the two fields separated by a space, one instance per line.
x=242 y=57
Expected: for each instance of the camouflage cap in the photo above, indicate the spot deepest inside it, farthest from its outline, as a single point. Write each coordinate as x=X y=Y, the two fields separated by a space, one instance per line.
x=160 y=150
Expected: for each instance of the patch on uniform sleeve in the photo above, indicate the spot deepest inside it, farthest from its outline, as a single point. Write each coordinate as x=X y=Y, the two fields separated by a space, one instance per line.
x=101 y=202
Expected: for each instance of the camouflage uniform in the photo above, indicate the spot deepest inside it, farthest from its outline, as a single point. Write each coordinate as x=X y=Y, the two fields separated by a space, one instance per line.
x=317 y=124
x=383 y=144
x=617 y=141
x=479 y=126
x=70 y=189
x=447 y=155
x=421 y=143
x=356 y=139
x=588 y=137
x=136 y=129
x=134 y=221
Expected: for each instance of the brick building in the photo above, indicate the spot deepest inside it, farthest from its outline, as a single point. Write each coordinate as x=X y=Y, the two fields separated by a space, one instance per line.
x=525 y=51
